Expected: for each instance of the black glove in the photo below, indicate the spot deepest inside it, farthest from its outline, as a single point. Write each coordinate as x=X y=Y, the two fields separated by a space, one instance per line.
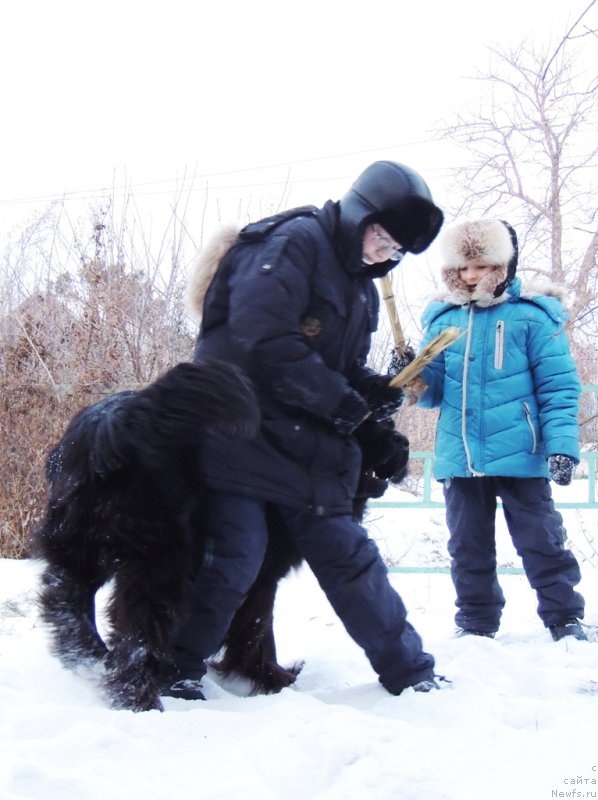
x=384 y=400
x=375 y=441
x=394 y=469
x=400 y=359
x=349 y=413
x=561 y=469
x=385 y=452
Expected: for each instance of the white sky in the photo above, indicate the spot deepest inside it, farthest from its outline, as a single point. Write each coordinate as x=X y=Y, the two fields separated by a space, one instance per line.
x=123 y=92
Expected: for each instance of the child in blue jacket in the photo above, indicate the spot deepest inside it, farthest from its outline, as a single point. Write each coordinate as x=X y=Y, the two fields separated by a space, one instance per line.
x=508 y=394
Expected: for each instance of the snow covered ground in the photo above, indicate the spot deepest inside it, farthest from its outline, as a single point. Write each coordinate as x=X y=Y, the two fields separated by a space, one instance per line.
x=519 y=720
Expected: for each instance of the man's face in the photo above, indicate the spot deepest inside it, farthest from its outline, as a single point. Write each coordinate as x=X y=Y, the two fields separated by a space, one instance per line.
x=379 y=246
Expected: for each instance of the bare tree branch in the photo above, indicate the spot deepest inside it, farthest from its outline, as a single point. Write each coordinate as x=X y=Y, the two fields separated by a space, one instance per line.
x=531 y=157
x=567 y=36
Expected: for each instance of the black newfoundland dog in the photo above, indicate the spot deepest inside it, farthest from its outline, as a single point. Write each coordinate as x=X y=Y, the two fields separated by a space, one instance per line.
x=125 y=506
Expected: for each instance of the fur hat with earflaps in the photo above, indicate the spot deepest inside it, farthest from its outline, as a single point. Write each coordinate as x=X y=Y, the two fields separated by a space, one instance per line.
x=492 y=241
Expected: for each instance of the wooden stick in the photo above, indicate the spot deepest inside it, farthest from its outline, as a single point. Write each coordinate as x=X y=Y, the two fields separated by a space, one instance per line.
x=429 y=353
x=391 y=306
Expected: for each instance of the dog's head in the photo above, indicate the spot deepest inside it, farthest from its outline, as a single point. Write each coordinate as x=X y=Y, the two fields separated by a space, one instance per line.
x=193 y=396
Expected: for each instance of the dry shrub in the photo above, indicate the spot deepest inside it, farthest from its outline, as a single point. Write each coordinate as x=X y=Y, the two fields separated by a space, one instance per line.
x=76 y=331
x=31 y=421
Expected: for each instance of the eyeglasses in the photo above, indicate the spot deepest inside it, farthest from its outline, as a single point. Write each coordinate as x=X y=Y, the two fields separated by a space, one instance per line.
x=396 y=253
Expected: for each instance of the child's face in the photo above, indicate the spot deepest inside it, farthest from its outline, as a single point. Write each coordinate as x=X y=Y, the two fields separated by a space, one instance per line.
x=473 y=272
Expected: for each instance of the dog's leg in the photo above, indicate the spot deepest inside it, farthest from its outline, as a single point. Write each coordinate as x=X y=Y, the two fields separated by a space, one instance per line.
x=67 y=605
x=132 y=678
x=250 y=649
x=145 y=606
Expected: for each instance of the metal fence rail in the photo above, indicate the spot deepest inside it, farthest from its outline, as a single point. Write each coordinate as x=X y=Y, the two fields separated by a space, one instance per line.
x=426 y=501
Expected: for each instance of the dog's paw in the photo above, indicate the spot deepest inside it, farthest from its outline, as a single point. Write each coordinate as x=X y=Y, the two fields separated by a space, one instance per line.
x=273 y=678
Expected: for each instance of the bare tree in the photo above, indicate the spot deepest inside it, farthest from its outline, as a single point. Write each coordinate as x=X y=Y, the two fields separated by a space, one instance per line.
x=532 y=158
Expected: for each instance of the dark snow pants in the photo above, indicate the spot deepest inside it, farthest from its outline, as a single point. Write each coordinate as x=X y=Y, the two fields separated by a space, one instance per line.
x=538 y=535
x=347 y=565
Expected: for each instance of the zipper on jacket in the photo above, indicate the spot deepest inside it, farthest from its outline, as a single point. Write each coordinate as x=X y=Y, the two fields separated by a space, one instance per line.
x=528 y=416
x=474 y=472
x=499 y=344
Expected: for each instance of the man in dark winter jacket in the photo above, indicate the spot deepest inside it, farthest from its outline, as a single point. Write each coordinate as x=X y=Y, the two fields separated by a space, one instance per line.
x=293 y=302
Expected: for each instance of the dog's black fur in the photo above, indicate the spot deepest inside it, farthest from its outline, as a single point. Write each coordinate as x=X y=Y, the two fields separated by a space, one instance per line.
x=125 y=504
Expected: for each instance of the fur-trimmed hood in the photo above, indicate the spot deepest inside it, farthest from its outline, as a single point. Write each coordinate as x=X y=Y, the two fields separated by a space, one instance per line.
x=551 y=297
x=546 y=288
x=205 y=266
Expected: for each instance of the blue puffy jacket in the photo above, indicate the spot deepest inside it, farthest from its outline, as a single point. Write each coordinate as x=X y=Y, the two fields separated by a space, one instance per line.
x=508 y=389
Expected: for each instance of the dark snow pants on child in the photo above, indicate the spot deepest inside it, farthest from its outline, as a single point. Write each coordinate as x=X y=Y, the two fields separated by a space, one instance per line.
x=346 y=563
x=537 y=531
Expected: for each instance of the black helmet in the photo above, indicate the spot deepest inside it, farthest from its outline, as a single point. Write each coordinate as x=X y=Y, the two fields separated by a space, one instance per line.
x=395 y=197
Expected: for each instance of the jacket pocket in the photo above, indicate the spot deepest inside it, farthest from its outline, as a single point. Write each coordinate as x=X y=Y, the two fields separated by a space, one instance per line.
x=530 y=423
x=499 y=344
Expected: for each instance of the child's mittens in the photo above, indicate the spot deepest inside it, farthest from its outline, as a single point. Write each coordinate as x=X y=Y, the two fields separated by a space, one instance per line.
x=399 y=359
x=561 y=469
